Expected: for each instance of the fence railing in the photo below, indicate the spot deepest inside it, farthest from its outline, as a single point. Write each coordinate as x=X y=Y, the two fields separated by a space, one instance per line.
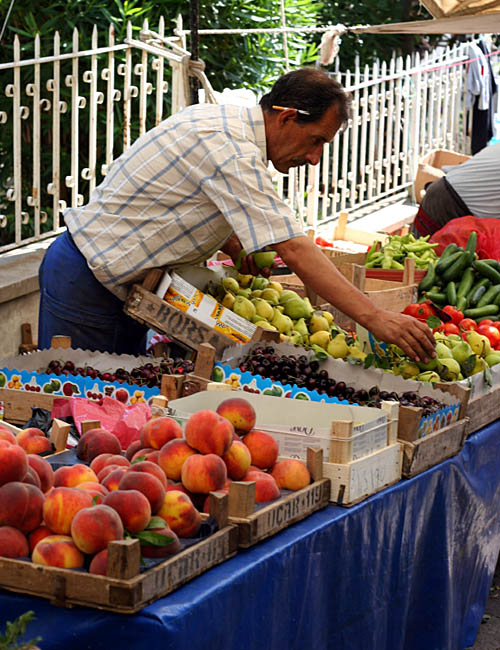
x=119 y=90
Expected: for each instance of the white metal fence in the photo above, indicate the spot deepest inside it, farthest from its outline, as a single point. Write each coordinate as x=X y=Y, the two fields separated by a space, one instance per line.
x=119 y=90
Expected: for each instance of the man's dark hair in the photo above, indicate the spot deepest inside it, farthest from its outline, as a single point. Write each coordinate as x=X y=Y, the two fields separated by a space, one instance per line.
x=311 y=90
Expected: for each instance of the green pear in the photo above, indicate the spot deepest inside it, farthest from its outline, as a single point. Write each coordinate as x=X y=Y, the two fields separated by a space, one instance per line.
x=318 y=322
x=244 y=308
x=286 y=294
x=492 y=359
x=296 y=338
x=259 y=283
x=338 y=347
x=297 y=308
x=256 y=293
x=230 y=284
x=428 y=375
x=479 y=343
x=407 y=369
x=450 y=369
x=263 y=308
x=228 y=300
x=244 y=292
x=271 y=295
x=442 y=351
x=320 y=338
x=264 y=259
x=282 y=323
x=479 y=365
x=301 y=327
x=265 y=325
x=461 y=351
x=432 y=364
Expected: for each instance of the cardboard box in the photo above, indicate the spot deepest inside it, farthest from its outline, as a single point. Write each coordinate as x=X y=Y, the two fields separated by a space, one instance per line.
x=430 y=168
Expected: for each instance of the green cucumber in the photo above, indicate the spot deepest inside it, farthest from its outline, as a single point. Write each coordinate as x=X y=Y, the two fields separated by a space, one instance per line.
x=444 y=263
x=461 y=303
x=490 y=297
x=478 y=291
x=458 y=267
x=437 y=297
x=466 y=283
x=451 y=248
x=451 y=293
x=494 y=263
x=470 y=247
x=428 y=280
x=482 y=312
x=487 y=271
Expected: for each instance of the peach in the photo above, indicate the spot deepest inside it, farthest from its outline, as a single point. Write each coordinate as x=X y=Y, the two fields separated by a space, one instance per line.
x=209 y=432
x=13 y=543
x=132 y=448
x=36 y=445
x=95 y=442
x=237 y=459
x=172 y=456
x=172 y=543
x=93 y=528
x=32 y=478
x=263 y=448
x=58 y=551
x=103 y=460
x=61 y=505
x=36 y=535
x=99 y=563
x=291 y=474
x=146 y=453
x=107 y=470
x=112 y=480
x=44 y=470
x=21 y=506
x=133 y=508
x=158 y=431
x=239 y=412
x=6 y=434
x=13 y=462
x=73 y=475
x=178 y=486
x=96 y=491
x=26 y=434
x=180 y=514
x=150 y=468
x=266 y=488
x=203 y=473
x=149 y=485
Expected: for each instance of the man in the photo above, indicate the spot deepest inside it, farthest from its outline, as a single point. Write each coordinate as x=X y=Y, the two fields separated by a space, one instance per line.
x=473 y=187
x=195 y=184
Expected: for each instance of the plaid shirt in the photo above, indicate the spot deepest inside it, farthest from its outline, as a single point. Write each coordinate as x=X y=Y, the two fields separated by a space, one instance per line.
x=178 y=193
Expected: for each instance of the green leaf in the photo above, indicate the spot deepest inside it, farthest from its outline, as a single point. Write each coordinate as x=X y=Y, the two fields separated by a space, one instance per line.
x=369 y=360
x=433 y=321
x=155 y=522
x=150 y=538
x=468 y=365
x=139 y=459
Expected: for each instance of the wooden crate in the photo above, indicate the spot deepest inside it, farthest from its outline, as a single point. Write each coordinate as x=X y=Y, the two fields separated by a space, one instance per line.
x=421 y=454
x=254 y=525
x=352 y=482
x=480 y=410
x=124 y=590
x=147 y=308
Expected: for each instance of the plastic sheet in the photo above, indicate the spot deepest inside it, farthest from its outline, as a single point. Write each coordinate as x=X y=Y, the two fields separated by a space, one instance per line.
x=458 y=230
x=407 y=569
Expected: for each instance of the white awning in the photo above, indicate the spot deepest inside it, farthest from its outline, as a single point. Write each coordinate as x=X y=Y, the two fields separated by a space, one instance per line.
x=477 y=24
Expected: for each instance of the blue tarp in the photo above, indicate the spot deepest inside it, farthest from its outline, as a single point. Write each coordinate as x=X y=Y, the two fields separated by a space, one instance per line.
x=407 y=569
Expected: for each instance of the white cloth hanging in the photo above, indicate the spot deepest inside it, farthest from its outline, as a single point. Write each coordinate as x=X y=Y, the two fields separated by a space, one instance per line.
x=478 y=79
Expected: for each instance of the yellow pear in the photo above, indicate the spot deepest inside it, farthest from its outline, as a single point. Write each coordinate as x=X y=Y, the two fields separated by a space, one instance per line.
x=263 y=308
x=338 y=347
x=230 y=284
x=277 y=286
x=301 y=327
x=265 y=325
x=245 y=280
x=287 y=294
x=318 y=322
x=479 y=365
x=282 y=323
x=228 y=300
x=244 y=308
x=320 y=338
x=256 y=293
x=271 y=295
x=356 y=352
x=328 y=316
x=479 y=343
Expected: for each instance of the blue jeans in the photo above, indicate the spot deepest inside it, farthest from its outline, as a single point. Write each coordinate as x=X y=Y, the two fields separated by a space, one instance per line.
x=73 y=303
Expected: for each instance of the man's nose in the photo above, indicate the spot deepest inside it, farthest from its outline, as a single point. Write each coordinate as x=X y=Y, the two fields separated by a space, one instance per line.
x=314 y=156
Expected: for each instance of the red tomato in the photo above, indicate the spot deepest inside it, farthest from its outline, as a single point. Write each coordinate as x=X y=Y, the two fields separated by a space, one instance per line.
x=421 y=311
x=456 y=314
x=468 y=324
x=450 y=328
x=485 y=321
x=491 y=333
x=496 y=323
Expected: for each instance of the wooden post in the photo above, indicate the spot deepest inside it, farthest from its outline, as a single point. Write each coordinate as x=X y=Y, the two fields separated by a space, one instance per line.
x=171 y=386
x=314 y=462
x=159 y=404
x=59 y=434
x=87 y=425
x=152 y=279
x=204 y=363
x=339 y=429
x=241 y=501
x=124 y=559
x=27 y=344
x=392 y=410
x=339 y=232
x=409 y=271
x=218 y=508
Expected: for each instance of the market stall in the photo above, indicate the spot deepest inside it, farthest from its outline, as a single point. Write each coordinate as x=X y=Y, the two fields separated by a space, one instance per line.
x=407 y=568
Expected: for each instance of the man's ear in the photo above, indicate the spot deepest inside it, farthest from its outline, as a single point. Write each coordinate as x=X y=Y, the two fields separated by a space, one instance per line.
x=285 y=116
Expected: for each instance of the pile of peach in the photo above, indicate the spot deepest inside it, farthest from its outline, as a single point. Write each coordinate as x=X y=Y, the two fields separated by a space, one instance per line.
x=67 y=517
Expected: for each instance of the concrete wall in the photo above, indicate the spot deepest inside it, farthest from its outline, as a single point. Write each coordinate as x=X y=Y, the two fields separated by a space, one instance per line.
x=19 y=295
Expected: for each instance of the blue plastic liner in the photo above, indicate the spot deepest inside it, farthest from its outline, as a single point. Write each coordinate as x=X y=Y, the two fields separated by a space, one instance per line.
x=407 y=569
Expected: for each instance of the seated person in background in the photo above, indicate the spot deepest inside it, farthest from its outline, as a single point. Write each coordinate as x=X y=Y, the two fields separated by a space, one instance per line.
x=473 y=187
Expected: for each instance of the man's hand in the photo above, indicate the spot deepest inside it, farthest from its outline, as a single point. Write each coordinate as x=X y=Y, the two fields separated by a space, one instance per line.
x=244 y=263
x=411 y=335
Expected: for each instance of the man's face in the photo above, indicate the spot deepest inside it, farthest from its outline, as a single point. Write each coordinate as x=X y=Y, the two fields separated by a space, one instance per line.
x=291 y=143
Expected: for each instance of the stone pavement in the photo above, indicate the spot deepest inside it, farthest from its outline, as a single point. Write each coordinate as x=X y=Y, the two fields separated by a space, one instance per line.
x=488 y=636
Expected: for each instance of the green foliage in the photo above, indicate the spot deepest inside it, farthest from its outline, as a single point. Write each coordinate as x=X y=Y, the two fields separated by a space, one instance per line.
x=15 y=630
